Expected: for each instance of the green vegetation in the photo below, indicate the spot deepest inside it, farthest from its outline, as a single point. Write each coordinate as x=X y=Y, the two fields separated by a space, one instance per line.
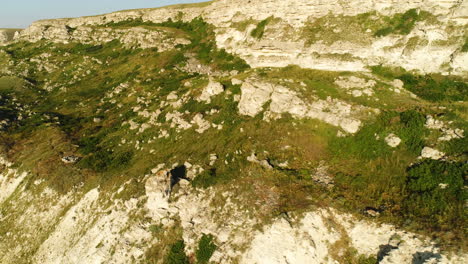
x=206 y=248
x=202 y=41
x=431 y=87
x=330 y=28
x=401 y=24
x=436 y=193
x=206 y=179
x=465 y=46
x=242 y=25
x=94 y=105
x=260 y=29
x=362 y=28
x=177 y=254
x=408 y=125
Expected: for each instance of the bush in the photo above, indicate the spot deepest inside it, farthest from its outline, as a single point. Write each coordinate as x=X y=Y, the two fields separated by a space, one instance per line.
x=260 y=29
x=436 y=191
x=413 y=130
x=465 y=46
x=177 y=254
x=401 y=24
x=431 y=87
x=103 y=160
x=205 y=179
x=205 y=250
x=435 y=88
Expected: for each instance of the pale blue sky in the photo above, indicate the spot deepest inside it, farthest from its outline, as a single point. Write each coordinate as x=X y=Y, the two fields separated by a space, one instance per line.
x=20 y=13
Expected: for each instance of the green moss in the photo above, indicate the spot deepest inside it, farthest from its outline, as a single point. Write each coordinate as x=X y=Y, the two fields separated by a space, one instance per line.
x=413 y=130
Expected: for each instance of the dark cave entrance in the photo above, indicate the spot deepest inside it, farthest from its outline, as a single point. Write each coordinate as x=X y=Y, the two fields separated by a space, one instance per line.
x=177 y=174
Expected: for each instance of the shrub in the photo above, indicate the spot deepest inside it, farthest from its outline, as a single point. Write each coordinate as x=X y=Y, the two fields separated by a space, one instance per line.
x=431 y=87
x=436 y=191
x=205 y=179
x=413 y=130
x=103 y=160
x=465 y=46
x=205 y=250
x=260 y=29
x=176 y=254
x=435 y=88
x=401 y=24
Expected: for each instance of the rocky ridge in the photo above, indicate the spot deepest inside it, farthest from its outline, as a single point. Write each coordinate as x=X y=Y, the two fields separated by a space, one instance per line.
x=435 y=50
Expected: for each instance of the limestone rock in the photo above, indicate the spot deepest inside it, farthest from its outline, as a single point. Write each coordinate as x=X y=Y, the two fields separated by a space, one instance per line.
x=3 y=36
x=255 y=94
x=213 y=88
x=70 y=159
x=202 y=124
x=392 y=140
x=431 y=153
x=157 y=189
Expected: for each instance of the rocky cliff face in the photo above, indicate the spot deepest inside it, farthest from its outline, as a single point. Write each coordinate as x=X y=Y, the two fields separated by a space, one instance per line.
x=7 y=35
x=433 y=45
x=237 y=131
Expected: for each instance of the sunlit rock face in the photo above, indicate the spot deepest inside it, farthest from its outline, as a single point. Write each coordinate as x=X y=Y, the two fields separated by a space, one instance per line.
x=427 y=48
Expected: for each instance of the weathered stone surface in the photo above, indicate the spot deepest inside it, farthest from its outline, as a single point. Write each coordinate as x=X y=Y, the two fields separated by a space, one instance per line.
x=431 y=153
x=3 y=36
x=132 y=37
x=255 y=94
x=213 y=88
x=274 y=51
x=392 y=140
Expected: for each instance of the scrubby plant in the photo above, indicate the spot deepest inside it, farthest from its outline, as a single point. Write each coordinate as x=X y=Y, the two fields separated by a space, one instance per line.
x=465 y=46
x=177 y=254
x=436 y=192
x=401 y=24
x=436 y=88
x=431 y=87
x=258 y=31
x=206 y=179
x=206 y=248
x=413 y=130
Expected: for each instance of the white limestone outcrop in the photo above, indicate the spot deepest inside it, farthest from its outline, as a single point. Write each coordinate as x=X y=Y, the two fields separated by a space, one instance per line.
x=436 y=49
x=432 y=153
x=392 y=140
x=213 y=88
x=255 y=94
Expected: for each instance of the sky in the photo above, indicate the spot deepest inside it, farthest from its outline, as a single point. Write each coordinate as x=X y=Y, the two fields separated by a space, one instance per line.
x=21 y=13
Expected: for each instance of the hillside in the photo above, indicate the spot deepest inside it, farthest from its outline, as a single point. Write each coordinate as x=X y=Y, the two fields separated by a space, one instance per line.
x=235 y=131
x=7 y=34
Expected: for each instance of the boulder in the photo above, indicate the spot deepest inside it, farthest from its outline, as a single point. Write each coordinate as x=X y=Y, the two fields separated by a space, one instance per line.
x=70 y=159
x=431 y=153
x=213 y=88
x=392 y=140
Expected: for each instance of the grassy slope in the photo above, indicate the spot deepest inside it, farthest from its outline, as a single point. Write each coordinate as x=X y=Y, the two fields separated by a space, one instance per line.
x=367 y=172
